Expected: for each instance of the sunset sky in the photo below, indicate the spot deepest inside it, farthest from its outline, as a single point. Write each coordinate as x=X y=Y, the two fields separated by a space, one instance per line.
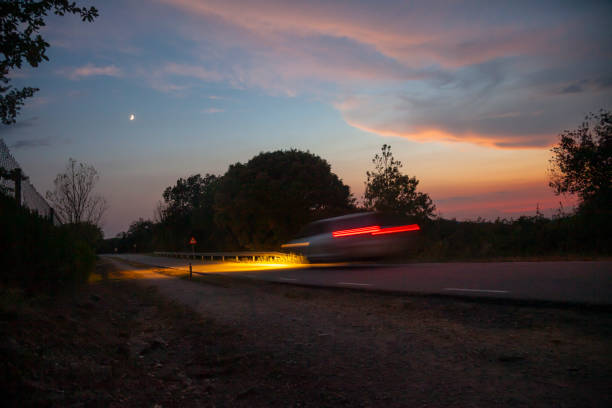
x=470 y=95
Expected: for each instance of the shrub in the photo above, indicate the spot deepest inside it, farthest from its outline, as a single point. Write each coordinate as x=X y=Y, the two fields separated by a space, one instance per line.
x=36 y=255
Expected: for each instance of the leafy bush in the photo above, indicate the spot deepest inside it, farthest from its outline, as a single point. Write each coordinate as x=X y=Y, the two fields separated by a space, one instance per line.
x=36 y=255
x=584 y=234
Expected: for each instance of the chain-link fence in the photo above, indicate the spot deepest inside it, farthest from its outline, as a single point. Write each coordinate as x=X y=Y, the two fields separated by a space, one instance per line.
x=30 y=198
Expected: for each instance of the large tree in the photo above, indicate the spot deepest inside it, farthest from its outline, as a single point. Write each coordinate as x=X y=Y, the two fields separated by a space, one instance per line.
x=73 y=197
x=582 y=162
x=266 y=201
x=388 y=190
x=20 y=23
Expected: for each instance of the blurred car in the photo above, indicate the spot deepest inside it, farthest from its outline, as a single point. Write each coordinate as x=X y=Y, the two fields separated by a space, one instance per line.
x=366 y=235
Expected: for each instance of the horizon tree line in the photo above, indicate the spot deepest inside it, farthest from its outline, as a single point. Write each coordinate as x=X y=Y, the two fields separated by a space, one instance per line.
x=264 y=202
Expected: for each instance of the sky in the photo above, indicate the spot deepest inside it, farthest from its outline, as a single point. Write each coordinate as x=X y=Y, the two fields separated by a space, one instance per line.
x=471 y=95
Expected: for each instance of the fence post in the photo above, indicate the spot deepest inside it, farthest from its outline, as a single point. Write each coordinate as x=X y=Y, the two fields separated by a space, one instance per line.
x=190 y=272
x=18 y=178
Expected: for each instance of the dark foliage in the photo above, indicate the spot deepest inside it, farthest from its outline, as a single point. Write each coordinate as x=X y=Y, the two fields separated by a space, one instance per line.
x=188 y=212
x=266 y=201
x=34 y=254
x=582 y=163
x=390 y=191
x=262 y=203
x=562 y=236
x=20 y=23
x=141 y=236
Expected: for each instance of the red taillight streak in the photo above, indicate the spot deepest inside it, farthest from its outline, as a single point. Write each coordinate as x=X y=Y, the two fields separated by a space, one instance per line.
x=393 y=230
x=375 y=230
x=356 y=231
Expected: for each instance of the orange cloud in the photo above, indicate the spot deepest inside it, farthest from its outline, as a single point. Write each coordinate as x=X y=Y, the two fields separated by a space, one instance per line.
x=497 y=141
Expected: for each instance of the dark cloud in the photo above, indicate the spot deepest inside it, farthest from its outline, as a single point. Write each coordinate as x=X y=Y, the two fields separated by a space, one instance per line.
x=573 y=88
x=21 y=124
x=595 y=85
x=28 y=143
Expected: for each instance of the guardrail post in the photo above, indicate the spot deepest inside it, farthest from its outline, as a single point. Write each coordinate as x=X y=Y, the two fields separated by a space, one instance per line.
x=190 y=272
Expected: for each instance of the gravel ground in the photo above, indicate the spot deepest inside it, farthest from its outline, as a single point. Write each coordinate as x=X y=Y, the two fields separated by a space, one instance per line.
x=320 y=347
x=142 y=337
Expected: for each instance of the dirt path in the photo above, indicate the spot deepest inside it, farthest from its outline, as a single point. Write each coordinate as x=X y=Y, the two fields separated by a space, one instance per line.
x=295 y=346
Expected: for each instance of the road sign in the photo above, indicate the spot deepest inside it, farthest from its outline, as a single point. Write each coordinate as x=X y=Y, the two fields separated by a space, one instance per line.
x=192 y=241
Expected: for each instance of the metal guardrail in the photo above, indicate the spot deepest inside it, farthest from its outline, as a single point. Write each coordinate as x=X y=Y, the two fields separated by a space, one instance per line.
x=237 y=256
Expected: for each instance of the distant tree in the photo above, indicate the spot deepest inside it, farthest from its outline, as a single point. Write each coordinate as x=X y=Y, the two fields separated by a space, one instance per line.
x=388 y=190
x=20 y=22
x=159 y=213
x=582 y=162
x=73 y=197
x=139 y=236
x=187 y=210
x=189 y=194
x=266 y=201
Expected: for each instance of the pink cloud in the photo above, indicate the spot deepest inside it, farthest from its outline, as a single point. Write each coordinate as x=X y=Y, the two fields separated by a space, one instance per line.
x=92 y=70
x=213 y=110
x=512 y=201
x=177 y=79
x=412 y=35
x=424 y=71
x=192 y=71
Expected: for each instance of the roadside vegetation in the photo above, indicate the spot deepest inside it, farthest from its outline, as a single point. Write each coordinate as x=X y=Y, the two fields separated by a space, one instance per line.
x=38 y=253
x=256 y=205
x=565 y=236
x=38 y=256
x=35 y=255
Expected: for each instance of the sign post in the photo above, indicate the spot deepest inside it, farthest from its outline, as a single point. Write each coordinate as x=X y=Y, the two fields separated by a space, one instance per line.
x=192 y=242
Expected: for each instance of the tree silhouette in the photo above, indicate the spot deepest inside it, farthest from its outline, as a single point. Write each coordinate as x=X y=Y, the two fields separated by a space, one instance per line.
x=20 y=22
x=264 y=202
x=73 y=197
x=388 y=190
x=188 y=211
x=582 y=162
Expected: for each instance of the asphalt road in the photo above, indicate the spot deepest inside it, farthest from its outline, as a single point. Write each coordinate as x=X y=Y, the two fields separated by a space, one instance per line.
x=581 y=282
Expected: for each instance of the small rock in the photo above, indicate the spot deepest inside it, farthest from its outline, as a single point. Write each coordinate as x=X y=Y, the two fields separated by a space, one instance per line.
x=10 y=346
x=510 y=358
x=246 y=393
